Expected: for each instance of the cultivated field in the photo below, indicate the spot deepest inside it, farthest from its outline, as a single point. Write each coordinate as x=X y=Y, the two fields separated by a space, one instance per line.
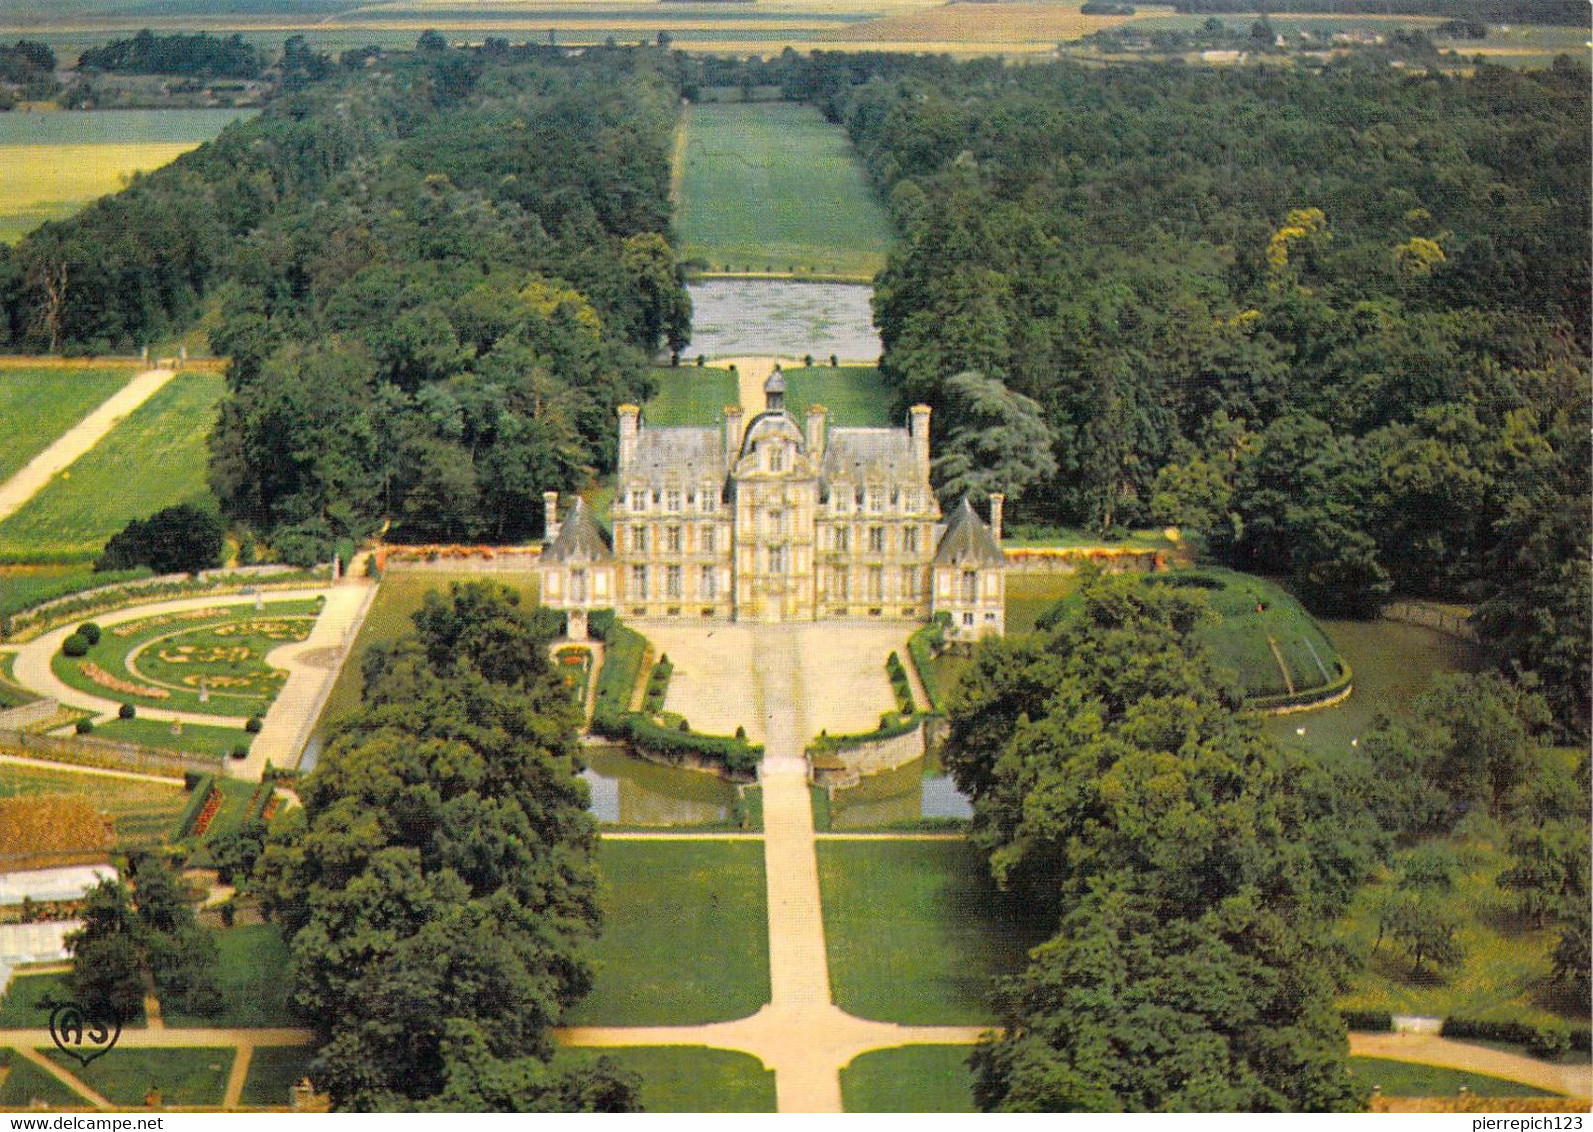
x=38 y=404
x=166 y=440
x=772 y=187
x=142 y=811
x=56 y=163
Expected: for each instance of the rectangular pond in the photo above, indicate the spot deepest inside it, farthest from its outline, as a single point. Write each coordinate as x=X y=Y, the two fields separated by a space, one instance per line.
x=742 y=317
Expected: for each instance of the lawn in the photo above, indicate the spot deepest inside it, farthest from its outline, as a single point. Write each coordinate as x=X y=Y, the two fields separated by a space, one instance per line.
x=22 y=1083
x=159 y=661
x=691 y=1078
x=1407 y=1079
x=273 y=1071
x=166 y=440
x=57 y=163
x=20 y=1009
x=685 y=936
x=909 y=1079
x=38 y=405
x=856 y=396
x=254 y=981
x=184 y=1076
x=401 y=594
x=1031 y=596
x=916 y=930
x=195 y=737
x=22 y=587
x=772 y=187
x=1504 y=973
x=144 y=812
x=691 y=396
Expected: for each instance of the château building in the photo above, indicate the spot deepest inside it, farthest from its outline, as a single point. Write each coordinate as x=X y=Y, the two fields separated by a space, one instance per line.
x=771 y=520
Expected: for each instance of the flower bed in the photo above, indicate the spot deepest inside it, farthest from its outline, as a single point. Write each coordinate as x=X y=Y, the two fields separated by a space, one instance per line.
x=105 y=680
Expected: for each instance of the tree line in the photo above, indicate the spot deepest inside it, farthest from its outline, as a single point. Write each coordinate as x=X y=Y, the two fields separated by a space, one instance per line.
x=434 y=277
x=1333 y=323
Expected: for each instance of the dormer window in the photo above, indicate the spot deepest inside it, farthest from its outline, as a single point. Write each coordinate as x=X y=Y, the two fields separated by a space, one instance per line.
x=638 y=501
x=673 y=503
x=777 y=458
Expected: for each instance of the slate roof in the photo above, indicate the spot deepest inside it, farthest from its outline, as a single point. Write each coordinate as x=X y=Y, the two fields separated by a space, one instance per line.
x=680 y=454
x=862 y=455
x=580 y=536
x=776 y=382
x=967 y=539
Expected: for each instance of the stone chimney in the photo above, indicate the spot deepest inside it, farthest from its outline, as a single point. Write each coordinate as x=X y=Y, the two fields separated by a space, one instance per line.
x=630 y=418
x=733 y=414
x=550 y=514
x=919 y=429
x=996 y=501
x=816 y=418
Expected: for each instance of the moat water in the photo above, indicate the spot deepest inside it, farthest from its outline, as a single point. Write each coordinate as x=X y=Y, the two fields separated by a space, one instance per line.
x=742 y=317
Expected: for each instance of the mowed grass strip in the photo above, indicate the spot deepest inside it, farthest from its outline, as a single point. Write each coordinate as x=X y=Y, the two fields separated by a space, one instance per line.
x=38 y=405
x=916 y=931
x=1407 y=1079
x=197 y=738
x=691 y=396
x=856 y=396
x=182 y=1076
x=774 y=187
x=153 y=459
x=22 y=1084
x=690 y=1078
x=144 y=812
x=909 y=1079
x=685 y=934
x=273 y=1071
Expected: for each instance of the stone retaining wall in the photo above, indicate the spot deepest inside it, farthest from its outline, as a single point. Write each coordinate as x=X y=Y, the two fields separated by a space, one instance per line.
x=870 y=757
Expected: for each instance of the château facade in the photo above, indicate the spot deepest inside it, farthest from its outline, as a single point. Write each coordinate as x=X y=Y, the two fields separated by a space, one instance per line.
x=771 y=520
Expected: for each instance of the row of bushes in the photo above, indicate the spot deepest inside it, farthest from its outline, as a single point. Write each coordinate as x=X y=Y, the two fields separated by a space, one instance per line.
x=892 y=725
x=202 y=785
x=922 y=647
x=1541 y=1039
x=658 y=685
x=625 y=651
x=900 y=684
x=42 y=615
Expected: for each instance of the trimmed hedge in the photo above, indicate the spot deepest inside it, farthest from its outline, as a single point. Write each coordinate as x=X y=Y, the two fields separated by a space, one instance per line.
x=900 y=684
x=201 y=793
x=737 y=756
x=90 y=632
x=126 y=711
x=75 y=645
x=658 y=685
x=623 y=652
x=1368 y=1021
x=892 y=725
x=1543 y=1039
x=922 y=646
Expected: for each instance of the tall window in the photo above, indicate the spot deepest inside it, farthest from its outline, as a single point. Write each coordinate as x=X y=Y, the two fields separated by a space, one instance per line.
x=909 y=582
x=909 y=540
x=638 y=501
x=876 y=499
x=843 y=539
x=710 y=582
x=639 y=583
x=777 y=560
x=672 y=539
x=876 y=583
x=672 y=582
x=709 y=502
x=707 y=538
x=970 y=586
x=577 y=585
x=639 y=539
x=672 y=501
x=777 y=522
x=876 y=540
x=840 y=582
x=777 y=458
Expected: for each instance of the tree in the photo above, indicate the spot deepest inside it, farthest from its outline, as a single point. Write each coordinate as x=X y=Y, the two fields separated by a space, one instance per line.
x=177 y=540
x=107 y=960
x=1424 y=924
x=998 y=441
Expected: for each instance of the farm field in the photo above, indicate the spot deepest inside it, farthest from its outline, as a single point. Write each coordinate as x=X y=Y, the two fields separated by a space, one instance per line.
x=916 y=931
x=909 y=1079
x=684 y=939
x=144 y=812
x=37 y=405
x=772 y=187
x=166 y=439
x=58 y=162
x=690 y=396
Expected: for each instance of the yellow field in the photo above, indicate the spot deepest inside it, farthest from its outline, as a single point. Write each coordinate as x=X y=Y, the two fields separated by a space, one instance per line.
x=46 y=182
x=980 y=24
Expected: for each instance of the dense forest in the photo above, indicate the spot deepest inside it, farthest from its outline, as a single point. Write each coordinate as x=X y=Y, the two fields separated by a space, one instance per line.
x=434 y=278
x=1336 y=324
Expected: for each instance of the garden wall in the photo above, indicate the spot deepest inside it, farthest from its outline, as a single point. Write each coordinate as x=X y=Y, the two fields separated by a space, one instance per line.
x=867 y=756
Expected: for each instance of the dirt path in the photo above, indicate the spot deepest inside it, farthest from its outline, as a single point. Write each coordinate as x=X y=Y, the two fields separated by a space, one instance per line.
x=751 y=373
x=1430 y=1049
x=78 y=439
x=238 y=1075
x=69 y=1079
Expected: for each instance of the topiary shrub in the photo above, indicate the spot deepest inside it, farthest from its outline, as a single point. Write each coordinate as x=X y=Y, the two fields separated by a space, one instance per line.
x=90 y=632
x=75 y=645
x=126 y=711
x=253 y=725
x=85 y=727
x=240 y=752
